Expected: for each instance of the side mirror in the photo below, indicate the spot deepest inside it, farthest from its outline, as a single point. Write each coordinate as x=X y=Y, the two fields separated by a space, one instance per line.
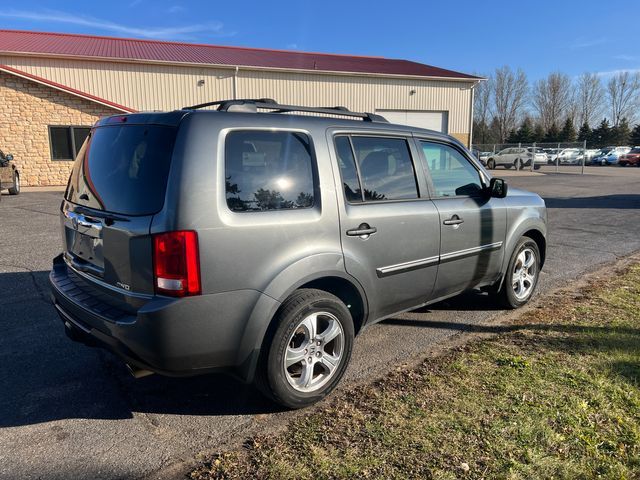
x=498 y=188
x=9 y=157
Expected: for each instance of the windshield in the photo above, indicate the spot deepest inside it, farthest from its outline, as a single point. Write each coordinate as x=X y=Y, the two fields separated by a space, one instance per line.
x=123 y=169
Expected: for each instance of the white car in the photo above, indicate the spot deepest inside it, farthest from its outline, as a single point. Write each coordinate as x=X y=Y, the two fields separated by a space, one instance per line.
x=517 y=157
x=569 y=156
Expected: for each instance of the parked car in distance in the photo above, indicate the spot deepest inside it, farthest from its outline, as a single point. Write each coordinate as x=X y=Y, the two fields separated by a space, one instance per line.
x=609 y=156
x=9 y=174
x=552 y=154
x=261 y=243
x=481 y=156
x=517 y=157
x=587 y=154
x=631 y=158
x=569 y=156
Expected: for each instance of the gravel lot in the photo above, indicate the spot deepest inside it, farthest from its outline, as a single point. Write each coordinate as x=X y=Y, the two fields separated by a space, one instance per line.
x=68 y=411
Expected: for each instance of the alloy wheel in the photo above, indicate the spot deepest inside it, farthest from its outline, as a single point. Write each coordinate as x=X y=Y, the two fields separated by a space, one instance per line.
x=314 y=352
x=524 y=273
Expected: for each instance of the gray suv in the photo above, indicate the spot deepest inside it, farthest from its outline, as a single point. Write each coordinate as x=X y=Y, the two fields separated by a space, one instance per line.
x=253 y=240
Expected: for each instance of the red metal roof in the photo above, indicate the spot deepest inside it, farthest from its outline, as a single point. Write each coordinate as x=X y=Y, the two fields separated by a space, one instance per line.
x=43 y=43
x=64 y=88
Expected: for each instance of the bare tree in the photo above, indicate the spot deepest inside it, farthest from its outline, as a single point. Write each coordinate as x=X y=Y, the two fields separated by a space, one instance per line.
x=552 y=97
x=509 y=94
x=623 y=91
x=589 y=99
x=482 y=108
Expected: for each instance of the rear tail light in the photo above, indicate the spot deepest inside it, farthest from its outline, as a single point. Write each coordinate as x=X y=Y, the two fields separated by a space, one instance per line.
x=176 y=263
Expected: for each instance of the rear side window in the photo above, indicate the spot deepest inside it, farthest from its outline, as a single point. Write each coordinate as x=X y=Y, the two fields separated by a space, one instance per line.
x=123 y=169
x=267 y=170
x=386 y=169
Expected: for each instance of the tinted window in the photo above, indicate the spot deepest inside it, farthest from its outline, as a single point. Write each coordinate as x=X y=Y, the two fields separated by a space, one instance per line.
x=268 y=171
x=80 y=134
x=386 y=169
x=451 y=173
x=123 y=169
x=347 y=163
x=60 y=143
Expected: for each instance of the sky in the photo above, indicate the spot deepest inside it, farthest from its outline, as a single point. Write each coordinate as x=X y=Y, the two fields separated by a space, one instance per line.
x=469 y=36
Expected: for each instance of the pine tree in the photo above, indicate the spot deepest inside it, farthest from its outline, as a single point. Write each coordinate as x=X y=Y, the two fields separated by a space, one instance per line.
x=538 y=133
x=553 y=134
x=602 y=134
x=525 y=132
x=620 y=133
x=512 y=137
x=585 y=133
x=634 y=138
x=568 y=132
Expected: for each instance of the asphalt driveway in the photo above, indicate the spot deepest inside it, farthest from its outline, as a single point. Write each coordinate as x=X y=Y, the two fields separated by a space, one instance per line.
x=67 y=411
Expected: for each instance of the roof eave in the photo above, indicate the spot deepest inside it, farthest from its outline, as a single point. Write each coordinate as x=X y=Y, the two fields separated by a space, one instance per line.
x=469 y=79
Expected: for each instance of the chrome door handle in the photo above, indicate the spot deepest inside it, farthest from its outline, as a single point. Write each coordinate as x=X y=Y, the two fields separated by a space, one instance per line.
x=363 y=230
x=454 y=220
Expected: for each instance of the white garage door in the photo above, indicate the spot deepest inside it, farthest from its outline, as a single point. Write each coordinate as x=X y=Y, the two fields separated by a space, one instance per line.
x=432 y=120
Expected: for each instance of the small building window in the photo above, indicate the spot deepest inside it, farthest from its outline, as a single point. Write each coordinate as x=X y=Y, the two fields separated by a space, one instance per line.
x=66 y=141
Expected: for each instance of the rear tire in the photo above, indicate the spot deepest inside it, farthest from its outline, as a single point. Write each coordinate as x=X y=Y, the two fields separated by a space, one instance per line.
x=521 y=277
x=15 y=189
x=309 y=350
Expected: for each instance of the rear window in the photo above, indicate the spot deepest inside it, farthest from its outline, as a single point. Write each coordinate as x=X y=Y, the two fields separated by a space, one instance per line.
x=123 y=169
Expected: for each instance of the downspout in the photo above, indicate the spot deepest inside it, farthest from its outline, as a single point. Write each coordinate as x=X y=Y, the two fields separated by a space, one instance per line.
x=473 y=94
x=235 y=83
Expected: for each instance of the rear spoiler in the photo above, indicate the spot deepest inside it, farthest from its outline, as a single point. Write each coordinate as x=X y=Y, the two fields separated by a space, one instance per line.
x=170 y=119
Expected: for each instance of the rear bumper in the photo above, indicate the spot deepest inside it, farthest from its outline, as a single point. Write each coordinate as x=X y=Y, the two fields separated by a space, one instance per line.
x=175 y=337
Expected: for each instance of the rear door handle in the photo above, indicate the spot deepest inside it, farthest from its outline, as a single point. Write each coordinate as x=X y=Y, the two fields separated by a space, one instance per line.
x=454 y=220
x=363 y=230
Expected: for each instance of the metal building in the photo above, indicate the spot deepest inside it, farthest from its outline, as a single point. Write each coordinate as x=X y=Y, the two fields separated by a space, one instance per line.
x=54 y=86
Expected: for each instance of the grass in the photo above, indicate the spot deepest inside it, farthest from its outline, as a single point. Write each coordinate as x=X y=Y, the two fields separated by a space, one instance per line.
x=554 y=395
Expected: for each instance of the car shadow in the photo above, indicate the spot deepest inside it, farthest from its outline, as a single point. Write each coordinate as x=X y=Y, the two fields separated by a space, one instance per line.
x=620 y=202
x=44 y=376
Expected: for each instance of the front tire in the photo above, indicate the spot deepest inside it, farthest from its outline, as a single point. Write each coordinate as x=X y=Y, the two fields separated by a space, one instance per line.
x=491 y=164
x=521 y=277
x=15 y=189
x=517 y=164
x=308 y=353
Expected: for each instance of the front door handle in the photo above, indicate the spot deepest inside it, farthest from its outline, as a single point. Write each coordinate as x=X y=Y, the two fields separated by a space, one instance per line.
x=363 y=230
x=454 y=220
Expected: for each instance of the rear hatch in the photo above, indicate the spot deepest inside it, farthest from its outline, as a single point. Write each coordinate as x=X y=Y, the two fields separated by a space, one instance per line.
x=117 y=184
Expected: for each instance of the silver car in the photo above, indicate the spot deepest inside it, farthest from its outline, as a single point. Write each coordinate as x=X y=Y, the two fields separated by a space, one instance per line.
x=517 y=157
x=261 y=244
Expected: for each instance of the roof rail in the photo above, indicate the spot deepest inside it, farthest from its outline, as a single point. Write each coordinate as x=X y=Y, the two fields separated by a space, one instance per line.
x=270 y=104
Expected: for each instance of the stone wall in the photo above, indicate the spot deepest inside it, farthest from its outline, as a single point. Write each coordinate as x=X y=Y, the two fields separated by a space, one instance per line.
x=27 y=109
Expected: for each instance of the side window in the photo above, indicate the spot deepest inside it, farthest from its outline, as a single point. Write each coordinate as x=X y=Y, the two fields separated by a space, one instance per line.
x=267 y=170
x=348 y=172
x=385 y=168
x=451 y=173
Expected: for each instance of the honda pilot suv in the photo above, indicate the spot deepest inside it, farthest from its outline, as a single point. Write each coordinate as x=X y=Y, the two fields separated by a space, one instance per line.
x=254 y=240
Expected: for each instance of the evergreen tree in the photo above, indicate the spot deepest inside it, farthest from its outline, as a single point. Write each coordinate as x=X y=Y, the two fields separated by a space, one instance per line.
x=585 y=133
x=602 y=134
x=525 y=132
x=512 y=137
x=538 y=133
x=553 y=134
x=634 y=138
x=620 y=133
x=568 y=132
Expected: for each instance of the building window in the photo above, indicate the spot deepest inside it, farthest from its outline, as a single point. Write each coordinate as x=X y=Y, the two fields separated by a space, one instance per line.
x=66 y=141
